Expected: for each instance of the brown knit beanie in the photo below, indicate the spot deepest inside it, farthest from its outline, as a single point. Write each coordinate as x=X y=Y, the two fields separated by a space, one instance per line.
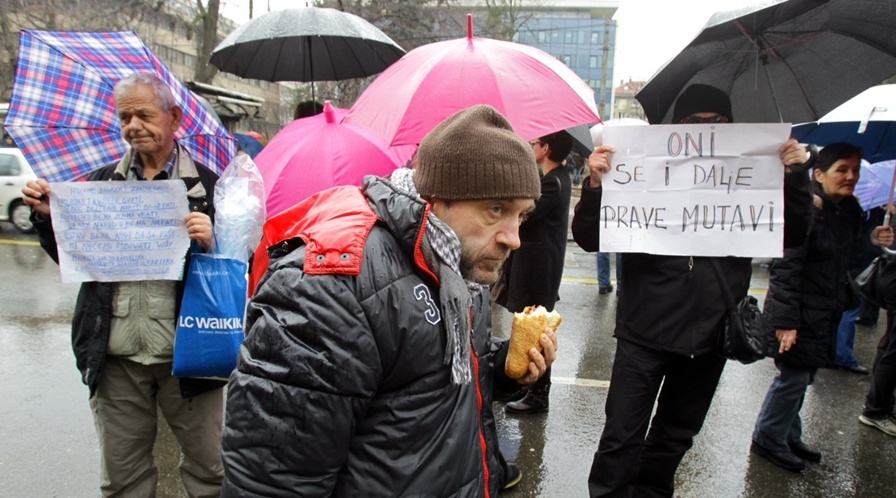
x=475 y=154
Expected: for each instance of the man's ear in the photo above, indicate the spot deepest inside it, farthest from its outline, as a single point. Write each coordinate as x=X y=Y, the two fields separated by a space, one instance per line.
x=177 y=115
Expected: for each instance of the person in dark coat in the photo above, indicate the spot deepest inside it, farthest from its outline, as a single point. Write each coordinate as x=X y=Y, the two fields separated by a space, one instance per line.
x=667 y=322
x=368 y=366
x=880 y=401
x=807 y=293
x=123 y=332
x=532 y=273
x=845 y=359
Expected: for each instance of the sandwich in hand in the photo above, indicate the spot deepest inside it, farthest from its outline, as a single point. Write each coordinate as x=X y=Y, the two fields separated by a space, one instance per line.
x=525 y=334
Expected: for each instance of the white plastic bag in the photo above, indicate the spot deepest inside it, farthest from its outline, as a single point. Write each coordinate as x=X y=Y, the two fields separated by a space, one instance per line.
x=239 y=209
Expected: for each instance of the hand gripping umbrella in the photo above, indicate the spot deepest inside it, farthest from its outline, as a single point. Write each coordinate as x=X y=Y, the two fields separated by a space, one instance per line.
x=783 y=60
x=62 y=114
x=307 y=44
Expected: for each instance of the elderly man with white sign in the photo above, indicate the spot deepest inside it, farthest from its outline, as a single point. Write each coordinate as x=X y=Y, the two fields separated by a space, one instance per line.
x=671 y=312
x=123 y=331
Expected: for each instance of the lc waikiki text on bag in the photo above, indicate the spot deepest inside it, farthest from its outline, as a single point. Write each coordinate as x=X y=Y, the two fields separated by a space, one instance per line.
x=742 y=337
x=210 y=326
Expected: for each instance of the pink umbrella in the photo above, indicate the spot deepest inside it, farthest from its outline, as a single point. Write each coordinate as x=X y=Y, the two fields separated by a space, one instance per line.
x=536 y=92
x=315 y=153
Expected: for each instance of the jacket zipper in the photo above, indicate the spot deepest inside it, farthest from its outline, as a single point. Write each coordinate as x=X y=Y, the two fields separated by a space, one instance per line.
x=691 y=276
x=482 y=444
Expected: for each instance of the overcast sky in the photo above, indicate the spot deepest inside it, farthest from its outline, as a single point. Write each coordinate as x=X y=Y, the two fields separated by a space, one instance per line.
x=650 y=32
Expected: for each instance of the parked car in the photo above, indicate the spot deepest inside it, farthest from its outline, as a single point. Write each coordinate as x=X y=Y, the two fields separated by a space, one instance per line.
x=15 y=172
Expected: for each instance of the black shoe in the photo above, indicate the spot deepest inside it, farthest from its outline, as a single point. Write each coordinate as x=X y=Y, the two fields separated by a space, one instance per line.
x=605 y=290
x=784 y=459
x=807 y=453
x=514 y=476
x=514 y=396
x=535 y=401
x=856 y=369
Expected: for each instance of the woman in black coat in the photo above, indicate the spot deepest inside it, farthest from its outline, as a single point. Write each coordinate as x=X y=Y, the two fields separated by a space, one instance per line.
x=808 y=291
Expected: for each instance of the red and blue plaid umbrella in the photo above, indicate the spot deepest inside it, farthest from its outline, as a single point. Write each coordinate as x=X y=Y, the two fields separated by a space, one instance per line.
x=62 y=114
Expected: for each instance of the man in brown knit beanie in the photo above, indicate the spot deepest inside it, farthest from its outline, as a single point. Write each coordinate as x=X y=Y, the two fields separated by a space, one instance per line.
x=368 y=345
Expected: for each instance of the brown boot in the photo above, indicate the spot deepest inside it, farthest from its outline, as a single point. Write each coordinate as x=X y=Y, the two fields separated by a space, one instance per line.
x=535 y=401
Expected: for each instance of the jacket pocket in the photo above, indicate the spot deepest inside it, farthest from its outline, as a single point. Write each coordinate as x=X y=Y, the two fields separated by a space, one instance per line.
x=121 y=305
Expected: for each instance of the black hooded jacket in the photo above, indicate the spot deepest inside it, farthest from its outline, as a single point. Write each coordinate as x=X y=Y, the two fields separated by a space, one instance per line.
x=341 y=388
x=809 y=287
x=674 y=303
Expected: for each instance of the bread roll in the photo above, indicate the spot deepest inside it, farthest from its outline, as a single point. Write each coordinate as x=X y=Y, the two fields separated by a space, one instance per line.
x=525 y=334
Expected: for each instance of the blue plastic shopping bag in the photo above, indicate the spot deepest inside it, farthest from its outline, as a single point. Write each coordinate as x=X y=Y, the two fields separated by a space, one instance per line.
x=210 y=325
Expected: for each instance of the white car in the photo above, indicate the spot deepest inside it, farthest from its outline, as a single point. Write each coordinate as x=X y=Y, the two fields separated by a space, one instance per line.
x=15 y=172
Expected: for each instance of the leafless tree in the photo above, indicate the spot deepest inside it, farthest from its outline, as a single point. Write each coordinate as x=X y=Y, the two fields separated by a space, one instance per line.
x=503 y=18
x=208 y=39
x=61 y=15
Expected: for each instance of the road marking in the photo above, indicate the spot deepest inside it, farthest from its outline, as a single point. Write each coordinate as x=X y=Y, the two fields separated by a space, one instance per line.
x=576 y=381
x=19 y=242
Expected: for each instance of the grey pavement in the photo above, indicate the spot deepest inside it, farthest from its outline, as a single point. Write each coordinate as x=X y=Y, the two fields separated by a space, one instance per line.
x=48 y=444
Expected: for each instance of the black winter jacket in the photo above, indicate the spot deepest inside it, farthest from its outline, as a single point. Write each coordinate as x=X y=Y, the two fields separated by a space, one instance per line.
x=92 y=319
x=340 y=387
x=674 y=303
x=809 y=287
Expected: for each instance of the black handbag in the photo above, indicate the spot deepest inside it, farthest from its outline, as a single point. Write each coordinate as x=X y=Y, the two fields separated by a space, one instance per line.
x=877 y=282
x=742 y=337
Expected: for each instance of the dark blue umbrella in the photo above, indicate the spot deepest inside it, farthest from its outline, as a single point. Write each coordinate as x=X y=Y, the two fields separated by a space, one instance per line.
x=867 y=120
x=248 y=144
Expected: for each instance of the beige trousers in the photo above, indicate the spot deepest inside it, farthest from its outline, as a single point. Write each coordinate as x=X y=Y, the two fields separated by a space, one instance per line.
x=124 y=411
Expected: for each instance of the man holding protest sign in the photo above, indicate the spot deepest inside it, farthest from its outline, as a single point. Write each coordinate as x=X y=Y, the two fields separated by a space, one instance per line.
x=123 y=332
x=667 y=323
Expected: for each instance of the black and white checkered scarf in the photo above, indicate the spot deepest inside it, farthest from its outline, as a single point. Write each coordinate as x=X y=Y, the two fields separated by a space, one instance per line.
x=441 y=249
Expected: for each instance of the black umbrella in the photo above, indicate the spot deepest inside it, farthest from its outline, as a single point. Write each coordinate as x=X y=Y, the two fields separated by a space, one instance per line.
x=581 y=139
x=792 y=61
x=308 y=44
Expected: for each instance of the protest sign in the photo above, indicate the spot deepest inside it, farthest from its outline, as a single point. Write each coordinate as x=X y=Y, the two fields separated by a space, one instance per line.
x=120 y=231
x=694 y=190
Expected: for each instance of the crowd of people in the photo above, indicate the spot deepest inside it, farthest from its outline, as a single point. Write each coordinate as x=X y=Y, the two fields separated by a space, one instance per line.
x=369 y=367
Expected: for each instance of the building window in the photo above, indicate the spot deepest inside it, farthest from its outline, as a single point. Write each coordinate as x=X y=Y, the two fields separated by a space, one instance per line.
x=541 y=37
x=581 y=39
x=592 y=61
x=568 y=36
x=595 y=37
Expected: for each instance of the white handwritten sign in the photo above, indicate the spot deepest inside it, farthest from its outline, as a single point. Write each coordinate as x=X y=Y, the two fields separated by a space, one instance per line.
x=118 y=231
x=695 y=190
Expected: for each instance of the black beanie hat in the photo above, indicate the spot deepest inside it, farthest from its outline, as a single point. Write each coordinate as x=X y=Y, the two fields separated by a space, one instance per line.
x=475 y=154
x=702 y=98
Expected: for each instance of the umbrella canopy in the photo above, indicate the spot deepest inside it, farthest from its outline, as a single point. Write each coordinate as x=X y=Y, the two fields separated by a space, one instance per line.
x=307 y=44
x=792 y=61
x=62 y=114
x=315 y=153
x=581 y=140
x=597 y=131
x=536 y=92
x=873 y=187
x=867 y=120
x=247 y=143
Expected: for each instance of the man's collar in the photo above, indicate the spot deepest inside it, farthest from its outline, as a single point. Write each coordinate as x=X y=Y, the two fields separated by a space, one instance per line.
x=167 y=171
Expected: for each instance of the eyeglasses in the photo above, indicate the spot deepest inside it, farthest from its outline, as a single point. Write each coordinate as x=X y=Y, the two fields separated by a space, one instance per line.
x=699 y=120
x=533 y=143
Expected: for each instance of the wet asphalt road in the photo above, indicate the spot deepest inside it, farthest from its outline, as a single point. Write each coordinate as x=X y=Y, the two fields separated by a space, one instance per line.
x=48 y=445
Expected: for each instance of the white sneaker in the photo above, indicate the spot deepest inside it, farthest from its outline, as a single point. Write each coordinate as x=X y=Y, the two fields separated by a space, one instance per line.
x=885 y=424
